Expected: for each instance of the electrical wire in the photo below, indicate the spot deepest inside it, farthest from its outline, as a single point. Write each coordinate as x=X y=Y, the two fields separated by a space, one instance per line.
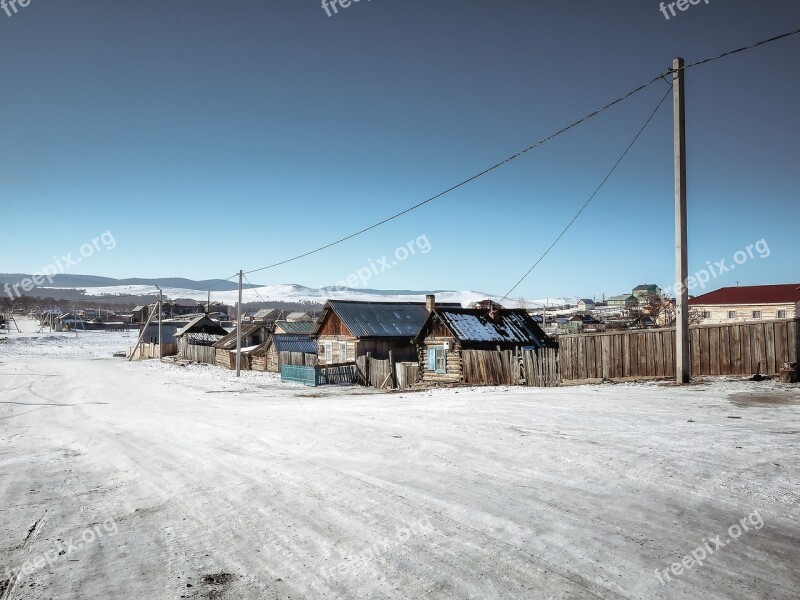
x=254 y=288
x=592 y=197
x=465 y=181
x=742 y=49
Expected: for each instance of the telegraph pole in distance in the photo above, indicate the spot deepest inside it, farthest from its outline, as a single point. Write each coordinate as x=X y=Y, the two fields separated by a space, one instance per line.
x=682 y=361
x=239 y=329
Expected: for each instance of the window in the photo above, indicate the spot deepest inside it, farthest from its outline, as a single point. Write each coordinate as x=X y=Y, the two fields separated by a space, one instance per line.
x=342 y=351
x=781 y=314
x=731 y=314
x=328 y=352
x=756 y=314
x=437 y=359
x=706 y=314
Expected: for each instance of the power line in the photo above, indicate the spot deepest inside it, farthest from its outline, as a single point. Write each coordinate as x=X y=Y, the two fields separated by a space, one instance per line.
x=254 y=288
x=742 y=49
x=465 y=181
x=634 y=91
x=592 y=197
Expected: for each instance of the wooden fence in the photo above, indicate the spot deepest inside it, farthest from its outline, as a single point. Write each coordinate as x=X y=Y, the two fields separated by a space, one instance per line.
x=200 y=354
x=540 y=368
x=534 y=368
x=148 y=350
x=726 y=349
x=407 y=374
x=337 y=373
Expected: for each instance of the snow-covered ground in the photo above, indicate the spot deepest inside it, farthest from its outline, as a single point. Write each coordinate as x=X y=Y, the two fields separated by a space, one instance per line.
x=149 y=480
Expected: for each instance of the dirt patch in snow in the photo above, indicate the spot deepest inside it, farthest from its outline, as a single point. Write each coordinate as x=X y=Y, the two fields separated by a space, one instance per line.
x=218 y=578
x=749 y=400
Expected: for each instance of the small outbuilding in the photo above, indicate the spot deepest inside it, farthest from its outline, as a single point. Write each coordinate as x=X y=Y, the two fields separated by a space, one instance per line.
x=196 y=338
x=284 y=349
x=253 y=336
x=477 y=345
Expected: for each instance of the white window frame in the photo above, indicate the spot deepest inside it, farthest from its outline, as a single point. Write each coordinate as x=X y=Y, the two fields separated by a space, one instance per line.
x=732 y=314
x=757 y=314
x=342 y=352
x=781 y=314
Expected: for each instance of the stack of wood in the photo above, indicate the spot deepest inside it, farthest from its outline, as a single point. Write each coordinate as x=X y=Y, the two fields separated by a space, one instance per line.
x=790 y=373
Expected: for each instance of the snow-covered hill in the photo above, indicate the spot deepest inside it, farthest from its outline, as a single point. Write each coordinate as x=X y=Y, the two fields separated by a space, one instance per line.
x=299 y=293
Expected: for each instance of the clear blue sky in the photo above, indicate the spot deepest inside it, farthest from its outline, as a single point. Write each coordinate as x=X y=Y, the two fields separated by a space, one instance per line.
x=209 y=136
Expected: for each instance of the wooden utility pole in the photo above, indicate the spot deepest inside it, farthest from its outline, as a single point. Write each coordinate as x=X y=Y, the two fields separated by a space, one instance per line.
x=239 y=329
x=682 y=361
x=160 y=316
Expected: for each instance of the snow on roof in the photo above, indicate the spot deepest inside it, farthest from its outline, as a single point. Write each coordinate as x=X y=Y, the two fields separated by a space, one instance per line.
x=513 y=326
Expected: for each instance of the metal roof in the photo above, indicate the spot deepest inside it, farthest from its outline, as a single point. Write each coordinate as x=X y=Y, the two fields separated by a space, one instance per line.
x=299 y=316
x=788 y=293
x=285 y=342
x=475 y=326
x=306 y=327
x=202 y=324
x=378 y=319
x=229 y=341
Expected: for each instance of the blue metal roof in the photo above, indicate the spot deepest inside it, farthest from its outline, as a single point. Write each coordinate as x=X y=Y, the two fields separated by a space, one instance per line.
x=287 y=342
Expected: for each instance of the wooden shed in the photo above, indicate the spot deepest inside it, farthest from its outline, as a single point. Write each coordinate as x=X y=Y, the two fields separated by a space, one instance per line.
x=253 y=336
x=284 y=349
x=476 y=345
x=195 y=340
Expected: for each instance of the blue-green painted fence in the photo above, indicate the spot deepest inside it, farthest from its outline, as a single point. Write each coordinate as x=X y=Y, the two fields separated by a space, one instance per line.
x=321 y=374
x=306 y=375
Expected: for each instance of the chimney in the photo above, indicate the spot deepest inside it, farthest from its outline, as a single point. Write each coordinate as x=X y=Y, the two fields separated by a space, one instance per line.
x=430 y=302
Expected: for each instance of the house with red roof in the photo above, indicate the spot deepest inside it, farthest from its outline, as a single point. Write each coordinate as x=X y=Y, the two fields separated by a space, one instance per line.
x=747 y=303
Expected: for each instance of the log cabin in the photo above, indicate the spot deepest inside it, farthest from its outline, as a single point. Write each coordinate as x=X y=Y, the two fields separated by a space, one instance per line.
x=448 y=333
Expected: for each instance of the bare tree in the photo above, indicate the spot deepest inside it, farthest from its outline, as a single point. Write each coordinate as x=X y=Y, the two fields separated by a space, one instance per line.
x=660 y=308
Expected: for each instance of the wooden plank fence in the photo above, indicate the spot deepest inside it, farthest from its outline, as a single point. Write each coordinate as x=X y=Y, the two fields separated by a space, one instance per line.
x=200 y=354
x=407 y=374
x=148 y=350
x=534 y=368
x=540 y=368
x=723 y=349
x=374 y=372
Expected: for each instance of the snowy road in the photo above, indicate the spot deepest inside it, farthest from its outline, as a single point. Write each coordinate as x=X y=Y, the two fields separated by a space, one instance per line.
x=155 y=481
